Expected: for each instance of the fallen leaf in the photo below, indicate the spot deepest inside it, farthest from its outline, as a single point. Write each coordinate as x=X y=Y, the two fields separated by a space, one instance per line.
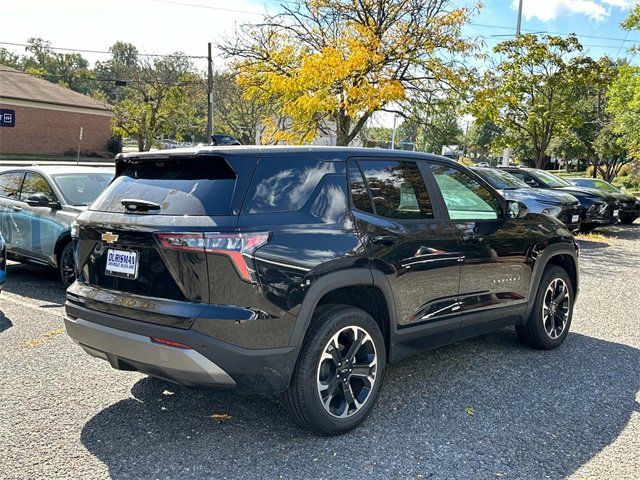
x=36 y=342
x=168 y=392
x=470 y=411
x=220 y=416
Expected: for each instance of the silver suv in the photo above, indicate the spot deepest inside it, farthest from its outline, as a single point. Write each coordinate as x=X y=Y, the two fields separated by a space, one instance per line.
x=37 y=207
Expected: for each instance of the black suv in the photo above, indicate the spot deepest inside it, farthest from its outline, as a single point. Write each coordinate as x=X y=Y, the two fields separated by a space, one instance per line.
x=598 y=208
x=307 y=270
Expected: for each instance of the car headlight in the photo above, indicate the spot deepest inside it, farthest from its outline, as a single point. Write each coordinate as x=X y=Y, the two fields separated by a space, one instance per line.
x=552 y=211
x=75 y=230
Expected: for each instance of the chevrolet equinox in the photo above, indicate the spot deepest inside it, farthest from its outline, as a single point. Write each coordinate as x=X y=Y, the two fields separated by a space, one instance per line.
x=305 y=271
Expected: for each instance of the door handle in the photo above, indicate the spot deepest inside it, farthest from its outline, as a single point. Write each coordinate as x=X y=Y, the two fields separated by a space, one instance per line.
x=384 y=240
x=471 y=237
x=16 y=208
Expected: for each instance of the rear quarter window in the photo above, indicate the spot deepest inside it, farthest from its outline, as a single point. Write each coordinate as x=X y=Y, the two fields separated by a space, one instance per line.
x=202 y=185
x=284 y=184
x=10 y=184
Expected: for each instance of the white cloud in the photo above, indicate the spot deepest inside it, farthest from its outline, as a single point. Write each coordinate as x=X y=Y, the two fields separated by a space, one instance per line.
x=546 y=10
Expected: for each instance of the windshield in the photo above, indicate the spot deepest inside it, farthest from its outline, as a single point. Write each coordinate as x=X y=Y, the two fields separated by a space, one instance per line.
x=595 y=183
x=500 y=179
x=549 y=179
x=82 y=189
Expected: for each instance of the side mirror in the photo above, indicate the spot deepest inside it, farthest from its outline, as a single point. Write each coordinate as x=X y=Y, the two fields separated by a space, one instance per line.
x=40 y=200
x=516 y=209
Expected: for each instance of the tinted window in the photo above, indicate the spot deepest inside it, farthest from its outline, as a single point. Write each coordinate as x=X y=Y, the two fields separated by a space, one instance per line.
x=10 y=184
x=35 y=183
x=202 y=185
x=549 y=179
x=82 y=188
x=397 y=189
x=528 y=179
x=359 y=195
x=284 y=184
x=500 y=179
x=465 y=197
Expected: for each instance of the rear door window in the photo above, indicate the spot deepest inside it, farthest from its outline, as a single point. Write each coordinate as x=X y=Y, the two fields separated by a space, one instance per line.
x=397 y=189
x=201 y=185
x=10 y=184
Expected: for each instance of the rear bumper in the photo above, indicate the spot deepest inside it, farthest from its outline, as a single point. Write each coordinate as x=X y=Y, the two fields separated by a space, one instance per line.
x=125 y=350
x=210 y=363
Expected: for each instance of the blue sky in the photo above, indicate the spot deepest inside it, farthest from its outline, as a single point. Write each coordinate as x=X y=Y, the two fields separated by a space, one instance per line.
x=164 y=26
x=585 y=18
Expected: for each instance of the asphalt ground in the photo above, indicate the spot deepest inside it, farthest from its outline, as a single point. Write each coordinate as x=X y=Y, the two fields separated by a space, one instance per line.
x=483 y=408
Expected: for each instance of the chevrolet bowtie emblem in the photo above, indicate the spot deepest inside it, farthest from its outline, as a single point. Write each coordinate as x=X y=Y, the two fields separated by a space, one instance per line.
x=109 y=237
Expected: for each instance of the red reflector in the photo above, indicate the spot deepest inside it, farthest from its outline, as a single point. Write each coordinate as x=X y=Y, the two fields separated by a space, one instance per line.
x=170 y=343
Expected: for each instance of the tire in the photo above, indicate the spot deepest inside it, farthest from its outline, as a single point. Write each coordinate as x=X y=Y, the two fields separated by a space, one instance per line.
x=588 y=228
x=543 y=330
x=66 y=265
x=627 y=220
x=313 y=378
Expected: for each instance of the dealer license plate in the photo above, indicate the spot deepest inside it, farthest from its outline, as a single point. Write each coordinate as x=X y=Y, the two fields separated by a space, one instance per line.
x=122 y=263
x=575 y=218
x=615 y=213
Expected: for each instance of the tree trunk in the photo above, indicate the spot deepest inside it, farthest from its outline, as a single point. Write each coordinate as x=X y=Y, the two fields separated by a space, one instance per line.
x=140 y=143
x=343 y=123
x=541 y=159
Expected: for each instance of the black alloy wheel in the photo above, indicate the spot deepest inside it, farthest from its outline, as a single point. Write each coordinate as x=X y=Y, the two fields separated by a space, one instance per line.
x=347 y=371
x=67 y=265
x=339 y=372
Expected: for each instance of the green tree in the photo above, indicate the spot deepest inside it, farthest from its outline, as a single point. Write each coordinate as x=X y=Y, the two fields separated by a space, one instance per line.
x=158 y=100
x=483 y=136
x=337 y=62
x=70 y=70
x=623 y=104
x=530 y=93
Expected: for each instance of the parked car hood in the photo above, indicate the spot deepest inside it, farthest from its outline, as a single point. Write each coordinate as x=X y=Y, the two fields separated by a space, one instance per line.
x=623 y=197
x=540 y=195
x=586 y=192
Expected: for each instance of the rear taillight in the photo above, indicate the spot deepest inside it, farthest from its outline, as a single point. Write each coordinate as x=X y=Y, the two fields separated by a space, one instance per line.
x=238 y=247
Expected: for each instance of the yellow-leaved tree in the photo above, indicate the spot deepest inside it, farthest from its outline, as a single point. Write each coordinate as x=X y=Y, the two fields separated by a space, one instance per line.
x=330 y=64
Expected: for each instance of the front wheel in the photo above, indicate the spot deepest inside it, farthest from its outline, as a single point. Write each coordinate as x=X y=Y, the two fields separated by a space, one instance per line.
x=339 y=372
x=627 y=220
x=550 y=318
x=67 y=265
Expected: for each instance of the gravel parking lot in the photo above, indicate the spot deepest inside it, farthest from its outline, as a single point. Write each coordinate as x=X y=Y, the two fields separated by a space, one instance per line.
x=483 y=408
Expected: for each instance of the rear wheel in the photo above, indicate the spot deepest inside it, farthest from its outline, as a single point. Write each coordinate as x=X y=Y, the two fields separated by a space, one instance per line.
x=339 y=372
x=66 y=265
x=550 y=318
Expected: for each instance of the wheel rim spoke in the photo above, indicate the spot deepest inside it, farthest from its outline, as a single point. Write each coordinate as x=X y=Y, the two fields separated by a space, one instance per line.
x=556 y=306
x=347 y=371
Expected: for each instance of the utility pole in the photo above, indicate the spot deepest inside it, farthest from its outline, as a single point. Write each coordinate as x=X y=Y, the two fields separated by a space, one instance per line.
x=519 y=19
x=209 y=93
x=393 y=133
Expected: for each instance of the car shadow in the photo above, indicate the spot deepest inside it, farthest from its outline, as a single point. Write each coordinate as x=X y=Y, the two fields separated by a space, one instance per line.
x=40 y=283
x=5 y=323
x=476 y=409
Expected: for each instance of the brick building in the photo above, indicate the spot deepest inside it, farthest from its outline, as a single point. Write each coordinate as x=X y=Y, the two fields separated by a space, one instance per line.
x=39 y=117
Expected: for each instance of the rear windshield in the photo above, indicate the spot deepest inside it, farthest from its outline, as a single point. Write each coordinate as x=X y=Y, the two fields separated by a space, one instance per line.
x=81 y=188
x=202 y=185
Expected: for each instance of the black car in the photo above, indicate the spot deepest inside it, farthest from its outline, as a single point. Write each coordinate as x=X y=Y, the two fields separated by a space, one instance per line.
x=628 y=205
x=563 y=206
x=219 y=140
x=307 y=270
x=599 y=208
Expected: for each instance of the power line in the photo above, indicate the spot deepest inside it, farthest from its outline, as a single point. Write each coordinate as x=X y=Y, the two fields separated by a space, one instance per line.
x=105 y=80
x=103 y=51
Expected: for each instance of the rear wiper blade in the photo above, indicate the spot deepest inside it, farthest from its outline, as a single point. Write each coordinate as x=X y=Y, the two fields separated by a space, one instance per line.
x=135 y=205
